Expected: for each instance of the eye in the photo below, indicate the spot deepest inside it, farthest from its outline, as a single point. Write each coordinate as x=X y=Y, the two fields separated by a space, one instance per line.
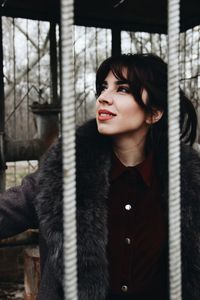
x=124 y=89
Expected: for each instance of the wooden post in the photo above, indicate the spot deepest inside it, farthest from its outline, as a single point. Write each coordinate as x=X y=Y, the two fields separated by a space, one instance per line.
x=31 y=273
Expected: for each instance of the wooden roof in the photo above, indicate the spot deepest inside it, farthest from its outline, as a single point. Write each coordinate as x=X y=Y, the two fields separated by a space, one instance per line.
x=133 y=15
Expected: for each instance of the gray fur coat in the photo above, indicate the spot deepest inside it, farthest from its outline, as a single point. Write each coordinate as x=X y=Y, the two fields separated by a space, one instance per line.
x=93 y=159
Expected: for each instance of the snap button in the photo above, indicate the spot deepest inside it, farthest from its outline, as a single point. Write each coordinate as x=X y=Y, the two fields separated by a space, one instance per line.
x=128 y=241
x=128 y=207
x=124 y=288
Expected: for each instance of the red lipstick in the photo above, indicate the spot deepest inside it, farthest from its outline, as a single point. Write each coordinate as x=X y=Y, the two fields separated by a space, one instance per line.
x=104 y=115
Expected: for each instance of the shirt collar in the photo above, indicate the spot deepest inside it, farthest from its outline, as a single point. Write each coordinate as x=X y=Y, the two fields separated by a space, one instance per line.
x=145 y=168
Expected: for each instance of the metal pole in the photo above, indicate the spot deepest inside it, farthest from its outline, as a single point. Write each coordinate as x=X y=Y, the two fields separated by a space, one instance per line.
x=53 y=63
x=68 y=134
x=174 y=151
x=2 y=115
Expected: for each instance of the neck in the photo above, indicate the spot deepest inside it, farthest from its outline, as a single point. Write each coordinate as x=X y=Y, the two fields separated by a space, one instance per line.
x=130 y=152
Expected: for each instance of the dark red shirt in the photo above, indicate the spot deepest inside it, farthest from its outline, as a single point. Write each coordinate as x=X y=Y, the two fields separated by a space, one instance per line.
x=137 y=232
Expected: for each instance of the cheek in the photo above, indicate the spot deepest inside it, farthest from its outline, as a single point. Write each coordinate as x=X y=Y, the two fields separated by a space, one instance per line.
x=133 y=115
x=96 y=106
x=132 y=109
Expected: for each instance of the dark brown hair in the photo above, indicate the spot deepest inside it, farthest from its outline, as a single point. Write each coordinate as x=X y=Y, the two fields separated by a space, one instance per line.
x=149 y=72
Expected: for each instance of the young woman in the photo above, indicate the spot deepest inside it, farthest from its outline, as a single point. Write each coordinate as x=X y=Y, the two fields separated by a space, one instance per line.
x=122 y=192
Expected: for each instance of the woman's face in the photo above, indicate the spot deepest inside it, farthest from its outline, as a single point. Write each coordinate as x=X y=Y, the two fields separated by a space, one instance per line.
x=117 y=112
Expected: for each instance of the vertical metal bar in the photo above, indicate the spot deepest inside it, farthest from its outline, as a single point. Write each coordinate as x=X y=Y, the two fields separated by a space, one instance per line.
x=2 y=107
x=196 y=72
x=116 y=42
x=39 y=58
x=185 y=50
x=60 y=60
x=96 y=47
x=192 y=91
x=27 y=77
x=198 y=88
x=15 y=94
x=84 y=74
x=174 y=151
x=53 y=63
x=2 y=115
x=27 y=85
x=75 y=72
x=68 y=147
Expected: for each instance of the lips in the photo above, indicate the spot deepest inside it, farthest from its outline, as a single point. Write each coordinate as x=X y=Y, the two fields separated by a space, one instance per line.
x=104 y=114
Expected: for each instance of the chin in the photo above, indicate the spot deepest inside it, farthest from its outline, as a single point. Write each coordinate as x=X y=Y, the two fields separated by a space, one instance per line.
x=102 y=129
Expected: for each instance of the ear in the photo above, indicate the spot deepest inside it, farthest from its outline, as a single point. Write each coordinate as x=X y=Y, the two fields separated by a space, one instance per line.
x=154 y=117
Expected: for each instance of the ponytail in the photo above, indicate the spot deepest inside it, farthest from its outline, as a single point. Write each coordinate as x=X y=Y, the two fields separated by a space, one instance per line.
x=188 y=120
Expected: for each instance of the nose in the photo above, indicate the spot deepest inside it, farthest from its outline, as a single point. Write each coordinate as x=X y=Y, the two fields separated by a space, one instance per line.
x=105 y=98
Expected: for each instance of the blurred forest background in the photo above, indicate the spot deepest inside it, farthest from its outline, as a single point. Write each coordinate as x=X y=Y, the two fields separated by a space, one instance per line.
x=28 y=76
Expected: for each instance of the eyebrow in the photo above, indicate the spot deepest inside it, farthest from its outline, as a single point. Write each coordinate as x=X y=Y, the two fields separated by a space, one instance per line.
x=118 y=82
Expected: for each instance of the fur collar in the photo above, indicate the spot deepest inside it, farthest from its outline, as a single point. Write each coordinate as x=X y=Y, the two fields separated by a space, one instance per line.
x=92 y=180
x=93 y=159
